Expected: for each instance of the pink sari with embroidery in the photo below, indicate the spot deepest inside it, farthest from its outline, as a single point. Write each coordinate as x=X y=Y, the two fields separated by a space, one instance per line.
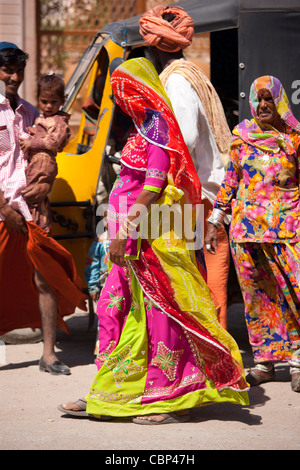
x=161 y=346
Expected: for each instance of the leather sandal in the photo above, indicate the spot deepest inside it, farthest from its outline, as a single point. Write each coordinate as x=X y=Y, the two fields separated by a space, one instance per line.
x=295 y=368
x=168 y=419
x=295 y=382
x=261 y=373
x=78 y=409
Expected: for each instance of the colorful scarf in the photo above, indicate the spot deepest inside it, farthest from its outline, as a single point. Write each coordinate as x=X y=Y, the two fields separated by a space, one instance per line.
x=139 y=92
x=263 y=136
x=167 y=36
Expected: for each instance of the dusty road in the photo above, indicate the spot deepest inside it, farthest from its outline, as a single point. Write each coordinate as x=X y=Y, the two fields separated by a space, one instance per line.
x=30 y=419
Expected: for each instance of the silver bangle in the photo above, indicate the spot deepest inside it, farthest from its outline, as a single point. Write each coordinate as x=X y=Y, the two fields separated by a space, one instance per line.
x=216 y=218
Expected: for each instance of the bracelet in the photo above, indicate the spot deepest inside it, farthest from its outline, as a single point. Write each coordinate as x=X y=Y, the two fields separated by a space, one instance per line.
x=216 y=218
x=122 y=231
x=129 y=226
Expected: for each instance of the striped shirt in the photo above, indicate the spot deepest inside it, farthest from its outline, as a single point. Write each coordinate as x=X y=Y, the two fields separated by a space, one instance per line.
x=13 y=126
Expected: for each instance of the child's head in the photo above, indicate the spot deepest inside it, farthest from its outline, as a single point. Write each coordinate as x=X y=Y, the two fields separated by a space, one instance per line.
x=51 y=94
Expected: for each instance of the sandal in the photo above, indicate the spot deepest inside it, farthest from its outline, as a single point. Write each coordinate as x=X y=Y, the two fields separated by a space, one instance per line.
x=295 y=382
x=261 y=373
x=168 y=419
x=79 y=409
x=295 y=369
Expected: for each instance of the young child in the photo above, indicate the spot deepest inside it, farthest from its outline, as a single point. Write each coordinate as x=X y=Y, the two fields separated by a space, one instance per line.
x=48 y=136
x=96 y=270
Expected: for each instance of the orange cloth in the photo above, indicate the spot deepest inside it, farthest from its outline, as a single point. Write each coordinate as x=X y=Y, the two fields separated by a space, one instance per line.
x=217 y=266
x=167 y=36
x=19 y=255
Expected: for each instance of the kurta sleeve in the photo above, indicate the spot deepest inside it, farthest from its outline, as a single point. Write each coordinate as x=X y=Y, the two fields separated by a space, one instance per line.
x=158 y=163
x=230 y=182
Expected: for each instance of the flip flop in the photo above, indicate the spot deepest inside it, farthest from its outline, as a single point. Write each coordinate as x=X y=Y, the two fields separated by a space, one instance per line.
x=169 y=419
x=81 y=413
x=257 y=376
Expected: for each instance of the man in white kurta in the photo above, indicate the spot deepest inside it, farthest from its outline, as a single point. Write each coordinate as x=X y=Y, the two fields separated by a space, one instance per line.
x=202 y=122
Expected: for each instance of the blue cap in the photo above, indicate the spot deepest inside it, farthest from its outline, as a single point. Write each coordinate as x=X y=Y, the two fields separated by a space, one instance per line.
x=7 y=45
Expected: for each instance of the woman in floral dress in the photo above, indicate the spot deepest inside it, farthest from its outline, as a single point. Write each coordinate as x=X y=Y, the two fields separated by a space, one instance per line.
x=261 y=190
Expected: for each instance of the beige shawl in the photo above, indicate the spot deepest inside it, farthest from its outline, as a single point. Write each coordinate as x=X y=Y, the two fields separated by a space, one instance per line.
x=210 y=100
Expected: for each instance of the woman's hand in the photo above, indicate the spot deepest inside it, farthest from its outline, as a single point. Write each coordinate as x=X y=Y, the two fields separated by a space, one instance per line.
x=137 y=212
x=211 y=238
x=117 y=250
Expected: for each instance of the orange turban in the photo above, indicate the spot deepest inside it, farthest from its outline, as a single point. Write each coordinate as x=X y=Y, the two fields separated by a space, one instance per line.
x=167 y=36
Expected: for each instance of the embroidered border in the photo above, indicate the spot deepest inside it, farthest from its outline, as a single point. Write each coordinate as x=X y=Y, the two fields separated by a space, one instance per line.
x=155 y=173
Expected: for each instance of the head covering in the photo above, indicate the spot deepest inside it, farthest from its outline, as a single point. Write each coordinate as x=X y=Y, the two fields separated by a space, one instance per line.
x=264 y=136
x=167 y=36
x=140 y=94
x=7 y=45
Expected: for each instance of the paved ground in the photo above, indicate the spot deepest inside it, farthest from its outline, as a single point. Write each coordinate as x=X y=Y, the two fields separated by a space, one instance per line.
x=30 y=419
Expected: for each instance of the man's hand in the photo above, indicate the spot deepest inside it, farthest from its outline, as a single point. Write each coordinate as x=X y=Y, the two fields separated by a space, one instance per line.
x=14 y=221
x=211 y=238
x=36 y=193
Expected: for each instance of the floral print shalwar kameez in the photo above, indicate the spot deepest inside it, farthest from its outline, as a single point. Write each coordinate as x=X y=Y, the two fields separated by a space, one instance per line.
x=261 y=189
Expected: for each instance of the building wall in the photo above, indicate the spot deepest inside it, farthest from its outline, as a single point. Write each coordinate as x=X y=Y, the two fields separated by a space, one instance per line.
x=11 y=21
x=18 y=25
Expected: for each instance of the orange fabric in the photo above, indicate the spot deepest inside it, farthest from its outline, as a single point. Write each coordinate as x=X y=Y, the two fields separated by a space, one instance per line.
x=19 y=255
x=217 y=266
x=167 y=36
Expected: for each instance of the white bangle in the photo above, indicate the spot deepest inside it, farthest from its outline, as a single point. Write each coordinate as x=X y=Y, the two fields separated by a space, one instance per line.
x=130 y=226
x=124 y=233
x=216 y=218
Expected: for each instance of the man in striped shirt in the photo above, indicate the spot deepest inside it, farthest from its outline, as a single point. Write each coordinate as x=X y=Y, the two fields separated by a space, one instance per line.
x=16 y=225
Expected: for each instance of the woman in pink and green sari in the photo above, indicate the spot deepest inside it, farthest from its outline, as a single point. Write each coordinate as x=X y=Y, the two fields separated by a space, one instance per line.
x=162 y=350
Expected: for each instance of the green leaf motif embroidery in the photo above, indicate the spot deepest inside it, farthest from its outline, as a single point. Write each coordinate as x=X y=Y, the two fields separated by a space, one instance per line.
x=115 y=301
x=167 y=360
x=122 y=366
